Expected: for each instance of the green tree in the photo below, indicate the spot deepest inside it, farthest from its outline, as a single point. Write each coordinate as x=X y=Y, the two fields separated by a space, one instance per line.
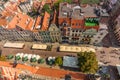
x=87 y=62
x=56 y=5
x=90 y=1
x=46 y=8
x=2 y=58
x=59 y=61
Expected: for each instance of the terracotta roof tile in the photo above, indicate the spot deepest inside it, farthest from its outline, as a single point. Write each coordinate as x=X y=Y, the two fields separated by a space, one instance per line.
x=25 y=67
x=3 y=63
x=6 y=13
x=21 y=20
x=55 y=73
x=60 y=73
x=45 y=23
x=38 y=20
x=48 y=1
x=51 y=1
x=3 y=22
x=19 y=66
x=22 y=0
x=77 y=24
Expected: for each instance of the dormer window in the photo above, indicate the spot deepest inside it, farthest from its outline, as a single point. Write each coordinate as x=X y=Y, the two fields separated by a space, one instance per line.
x=64 y=24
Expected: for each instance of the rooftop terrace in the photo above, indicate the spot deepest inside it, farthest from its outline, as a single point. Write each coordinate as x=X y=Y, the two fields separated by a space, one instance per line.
x=75 y=11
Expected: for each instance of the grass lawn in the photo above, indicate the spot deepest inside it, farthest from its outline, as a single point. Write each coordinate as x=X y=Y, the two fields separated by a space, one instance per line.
x=90 y=1
x=90 y=24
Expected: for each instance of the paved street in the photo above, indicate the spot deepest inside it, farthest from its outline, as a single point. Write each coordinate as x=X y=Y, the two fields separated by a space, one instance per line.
x=107 y=57
x=27 y=49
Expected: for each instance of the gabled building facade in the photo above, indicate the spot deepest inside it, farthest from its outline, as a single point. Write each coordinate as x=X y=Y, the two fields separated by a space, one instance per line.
x=74 y=23
x=54 y=33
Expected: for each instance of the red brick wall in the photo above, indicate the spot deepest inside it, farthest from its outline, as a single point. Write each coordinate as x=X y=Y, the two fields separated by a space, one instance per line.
x=61 y=20
x=90 y=27
x=77 y=23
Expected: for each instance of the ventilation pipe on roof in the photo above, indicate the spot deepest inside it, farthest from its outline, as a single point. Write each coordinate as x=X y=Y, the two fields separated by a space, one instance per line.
x=76 y=7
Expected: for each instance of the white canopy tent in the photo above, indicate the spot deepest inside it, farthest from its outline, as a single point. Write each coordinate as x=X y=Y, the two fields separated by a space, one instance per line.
x=49 y=58
x=18 y=54
x=33 y=56
x=29 y=56
x=25 y=55
x=14 y=45
x=75 y=49
x=39 y=46
x=37 y=57
x=21 y=55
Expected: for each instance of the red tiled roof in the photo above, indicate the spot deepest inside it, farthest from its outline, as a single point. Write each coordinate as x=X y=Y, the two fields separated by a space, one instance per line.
x=3 y=63
x=6 y=13
x=50 y=1
x=54 y=17
x=55 y=73
x=19 y=66
x=3 y=22
x=45 y=23
x=22 y=0
x=24 y=67
x=21 y=20
x=60 y=73
x=37 y=21
x=92 y=27
x=77 y=23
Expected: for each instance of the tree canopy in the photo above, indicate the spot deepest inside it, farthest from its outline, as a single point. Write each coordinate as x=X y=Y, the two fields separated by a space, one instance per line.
x=2 y=58
x=56 y=5
x=46 y=8
x=90 y=1
x=59 y=61
x=87 y=62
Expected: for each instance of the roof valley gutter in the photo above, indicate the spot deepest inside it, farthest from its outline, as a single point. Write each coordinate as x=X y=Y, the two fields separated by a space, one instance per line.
x=34 y=23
